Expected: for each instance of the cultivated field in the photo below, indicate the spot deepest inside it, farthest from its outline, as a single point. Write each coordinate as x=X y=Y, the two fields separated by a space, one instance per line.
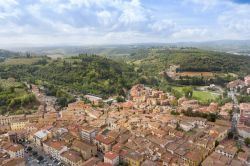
x=195 y=74
x=20 y=61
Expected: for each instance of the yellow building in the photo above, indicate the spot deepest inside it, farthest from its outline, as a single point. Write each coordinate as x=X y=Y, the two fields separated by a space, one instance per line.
x=18 y=125
x=134 y=159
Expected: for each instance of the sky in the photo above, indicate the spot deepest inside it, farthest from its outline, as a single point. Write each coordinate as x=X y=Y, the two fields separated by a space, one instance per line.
x=95 y=22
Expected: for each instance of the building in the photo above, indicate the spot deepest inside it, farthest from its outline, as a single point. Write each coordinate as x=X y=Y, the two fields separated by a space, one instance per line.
x=248 y=90
x=247 y=80
x=236 y=84
x=111 y=158
x=244 y=131
x=41 y=136
x=104 y=143
x=54 y=148
x=244 y=112
x=187 y=126
x=12 y=137
x=14 y=162
x=91 y=162
x=18 y=125
x=94 y=99
x=87 y=151
x=219 y=132
x=227 y=149
x=5 y=120
x=88 y=133
x=14 y=150
x=134 y=159
x=71 y=157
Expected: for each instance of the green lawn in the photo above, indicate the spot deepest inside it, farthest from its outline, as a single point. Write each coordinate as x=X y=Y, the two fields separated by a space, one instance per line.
x=202 y=96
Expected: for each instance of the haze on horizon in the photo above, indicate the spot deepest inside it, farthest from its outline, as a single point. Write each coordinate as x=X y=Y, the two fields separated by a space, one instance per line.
x=81 y=22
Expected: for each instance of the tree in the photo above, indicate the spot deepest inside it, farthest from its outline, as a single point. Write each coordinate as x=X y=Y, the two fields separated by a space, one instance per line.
x=120 y=99
x=29 y=148
x=247 y=141
x=40 y=158
x=216 y=143
x=34 y=153
x=230 y=135
x=188 y=91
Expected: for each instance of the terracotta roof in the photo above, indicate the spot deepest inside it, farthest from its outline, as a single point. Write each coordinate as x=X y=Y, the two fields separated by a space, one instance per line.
x=104 y=140
x=58 y=145
x=73 y=156
x=104 y=164
x=111 y=155
x=91 y=162
x=14 y=162
x=82 y=145
x=15 y=148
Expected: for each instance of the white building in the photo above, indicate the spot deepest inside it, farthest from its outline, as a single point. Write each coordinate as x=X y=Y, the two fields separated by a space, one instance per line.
x=187 y=126
x=14 y=150
x=111 y=158
x=244 y=132
x=88 y=133
x=41 y=136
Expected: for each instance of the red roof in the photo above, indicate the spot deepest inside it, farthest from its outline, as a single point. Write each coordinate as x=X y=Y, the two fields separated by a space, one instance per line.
x=104 y=140
x=110 y=155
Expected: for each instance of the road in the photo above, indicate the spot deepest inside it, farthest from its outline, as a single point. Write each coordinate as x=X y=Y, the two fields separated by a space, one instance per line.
x=32 y=160
x=236 y=114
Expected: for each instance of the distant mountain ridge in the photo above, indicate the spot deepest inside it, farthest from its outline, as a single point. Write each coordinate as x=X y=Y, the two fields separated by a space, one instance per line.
x=231 y=46
x=7 y=54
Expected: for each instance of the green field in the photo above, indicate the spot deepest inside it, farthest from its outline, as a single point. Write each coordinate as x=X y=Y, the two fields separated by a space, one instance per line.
x=202 y=96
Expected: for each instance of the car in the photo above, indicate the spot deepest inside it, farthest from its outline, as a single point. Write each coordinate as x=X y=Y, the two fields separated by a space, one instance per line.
x=59 y=163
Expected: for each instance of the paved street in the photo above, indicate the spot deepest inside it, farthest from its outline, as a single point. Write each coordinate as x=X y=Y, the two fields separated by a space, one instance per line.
x=32 y=160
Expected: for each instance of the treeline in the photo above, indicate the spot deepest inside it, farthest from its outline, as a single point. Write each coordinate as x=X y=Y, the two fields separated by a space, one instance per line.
x=157 y=61
x=209 y=116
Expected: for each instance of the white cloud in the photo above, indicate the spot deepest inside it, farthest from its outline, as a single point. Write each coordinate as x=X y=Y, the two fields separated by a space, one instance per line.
x=163 y=25
x=133 y=12
x=204 y=5
x=191 y=33
x=8 y=9
x=121 y=21
x=105 y=17
x=236 y=20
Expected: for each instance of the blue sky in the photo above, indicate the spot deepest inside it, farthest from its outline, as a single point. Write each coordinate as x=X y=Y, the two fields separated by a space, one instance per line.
x=84 y=22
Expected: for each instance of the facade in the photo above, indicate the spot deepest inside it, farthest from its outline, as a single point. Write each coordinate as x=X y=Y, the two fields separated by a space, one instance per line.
x=87 y=151
x=71 y=157
x=41 y=136
x=88 y=134
x=244 y=131
x=54 y=148
x=134 y=159
x=14 y=162
x=14 y=150
x=5 y=120
x=18 y=125
x=103 y=143
x=111 y=158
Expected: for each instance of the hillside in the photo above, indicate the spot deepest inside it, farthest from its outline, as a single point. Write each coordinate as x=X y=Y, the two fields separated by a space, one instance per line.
x=80 y=74
x=15 y=98
x=6 y=54
x=157 y=60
